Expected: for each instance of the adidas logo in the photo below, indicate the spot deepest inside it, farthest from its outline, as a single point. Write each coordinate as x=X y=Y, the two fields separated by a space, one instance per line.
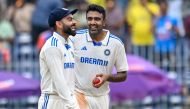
x=83 y=48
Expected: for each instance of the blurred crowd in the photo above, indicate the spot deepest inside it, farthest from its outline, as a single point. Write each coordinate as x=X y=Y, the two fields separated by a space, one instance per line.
x=157 y=30
x=143 y=25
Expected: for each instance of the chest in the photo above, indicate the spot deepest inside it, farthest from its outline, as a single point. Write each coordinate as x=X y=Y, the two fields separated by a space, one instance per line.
x=89 y=50
x=68 y=58
x=67 y=54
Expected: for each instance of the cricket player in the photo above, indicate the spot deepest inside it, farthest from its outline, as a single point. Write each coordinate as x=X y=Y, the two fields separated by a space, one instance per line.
x=97 y=51
x=57 y=63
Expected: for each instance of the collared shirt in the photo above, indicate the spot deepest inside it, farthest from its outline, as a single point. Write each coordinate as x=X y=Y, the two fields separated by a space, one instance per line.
x=57 y=68
x=97 y=57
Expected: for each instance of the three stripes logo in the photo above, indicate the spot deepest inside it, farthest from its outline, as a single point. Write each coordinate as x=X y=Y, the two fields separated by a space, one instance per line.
x=46 y=99
x=84 y=48
x=54 y=41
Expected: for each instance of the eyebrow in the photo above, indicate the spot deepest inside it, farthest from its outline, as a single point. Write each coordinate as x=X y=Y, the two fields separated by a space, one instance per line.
x=94 y=17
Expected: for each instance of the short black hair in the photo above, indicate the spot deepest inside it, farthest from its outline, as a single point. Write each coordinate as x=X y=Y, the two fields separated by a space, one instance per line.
x=98 y=8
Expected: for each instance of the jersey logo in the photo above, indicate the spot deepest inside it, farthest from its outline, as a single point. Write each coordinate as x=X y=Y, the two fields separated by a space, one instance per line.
x=67 y=46
x=84 y=48
x=107 y=52
x=68 y=65
x=54 y=41
x=95 y=61
x=97 y=43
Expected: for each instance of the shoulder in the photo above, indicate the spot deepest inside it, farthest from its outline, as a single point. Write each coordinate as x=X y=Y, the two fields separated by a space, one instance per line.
x=52 y=42
x=82 y=31
x=52 y=45
x=115 y=39
x=154 y=8
x=79 y=34
x=50 y=51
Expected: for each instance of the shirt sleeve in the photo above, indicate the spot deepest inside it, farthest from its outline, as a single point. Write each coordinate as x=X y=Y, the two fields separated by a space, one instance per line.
x=121 y=59
x=53 y=58
x=154 y=8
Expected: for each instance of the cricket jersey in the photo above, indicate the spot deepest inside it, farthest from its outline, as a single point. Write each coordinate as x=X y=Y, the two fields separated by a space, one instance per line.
x=97 y=57
x=57 y=68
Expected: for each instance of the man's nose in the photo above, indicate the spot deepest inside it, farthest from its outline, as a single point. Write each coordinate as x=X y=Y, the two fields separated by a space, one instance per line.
x=92 y=22
x=74 y=21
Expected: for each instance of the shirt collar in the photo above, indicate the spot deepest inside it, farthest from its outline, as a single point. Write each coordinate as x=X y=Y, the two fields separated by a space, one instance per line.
x=104 y=41
x=62 y=39
x=57 y=35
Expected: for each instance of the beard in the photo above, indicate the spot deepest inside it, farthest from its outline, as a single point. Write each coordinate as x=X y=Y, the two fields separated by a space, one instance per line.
x=94 y=33
x=68 y=30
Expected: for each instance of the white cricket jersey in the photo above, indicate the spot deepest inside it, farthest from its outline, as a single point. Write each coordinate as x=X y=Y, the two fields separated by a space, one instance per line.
x=97 y=57
x=57 y=68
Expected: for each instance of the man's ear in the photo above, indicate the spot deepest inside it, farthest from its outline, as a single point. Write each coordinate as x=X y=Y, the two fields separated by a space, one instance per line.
x=58 y=24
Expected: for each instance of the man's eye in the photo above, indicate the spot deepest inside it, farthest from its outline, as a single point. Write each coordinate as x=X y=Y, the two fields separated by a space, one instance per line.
x=70 y=19
x=97 y=18
x=89 y=18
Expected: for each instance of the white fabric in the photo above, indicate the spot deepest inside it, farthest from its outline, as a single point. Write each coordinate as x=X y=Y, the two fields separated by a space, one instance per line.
x=175 y=11
x=54 y=102
x=92 y=102
x=91 y=60
x=98 y=102
x=57 y=69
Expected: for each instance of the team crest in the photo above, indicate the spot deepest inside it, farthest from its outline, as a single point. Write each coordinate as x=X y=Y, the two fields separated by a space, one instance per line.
x=107 y=52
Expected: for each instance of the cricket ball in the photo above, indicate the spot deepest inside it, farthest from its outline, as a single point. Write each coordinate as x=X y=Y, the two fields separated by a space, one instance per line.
x=96 y=80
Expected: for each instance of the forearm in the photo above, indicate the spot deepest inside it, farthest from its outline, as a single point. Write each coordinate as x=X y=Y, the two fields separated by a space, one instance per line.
x=119 y=77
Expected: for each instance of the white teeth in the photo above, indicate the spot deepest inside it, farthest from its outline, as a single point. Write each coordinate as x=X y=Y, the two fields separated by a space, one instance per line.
x=73 y=28
x=93 y=28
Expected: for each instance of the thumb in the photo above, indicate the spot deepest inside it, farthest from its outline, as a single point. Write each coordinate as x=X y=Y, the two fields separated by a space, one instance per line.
x=99 y=75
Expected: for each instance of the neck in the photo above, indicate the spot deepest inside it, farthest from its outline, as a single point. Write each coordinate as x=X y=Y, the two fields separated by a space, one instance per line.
x=99 y=37
x=64 y=35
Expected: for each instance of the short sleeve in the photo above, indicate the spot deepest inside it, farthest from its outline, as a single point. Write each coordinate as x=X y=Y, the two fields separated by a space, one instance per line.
x=121 y=59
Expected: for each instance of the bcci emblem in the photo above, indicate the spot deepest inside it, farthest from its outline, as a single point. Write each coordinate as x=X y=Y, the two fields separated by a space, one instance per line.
x=107 y=52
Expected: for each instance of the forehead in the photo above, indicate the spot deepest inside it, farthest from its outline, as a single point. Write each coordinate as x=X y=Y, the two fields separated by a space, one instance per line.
x=94 y=14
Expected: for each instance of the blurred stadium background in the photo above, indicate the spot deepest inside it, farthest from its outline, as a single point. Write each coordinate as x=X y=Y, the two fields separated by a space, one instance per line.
x=156 y=32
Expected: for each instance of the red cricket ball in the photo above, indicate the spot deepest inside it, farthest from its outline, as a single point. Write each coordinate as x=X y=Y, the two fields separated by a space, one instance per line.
x=96 y=80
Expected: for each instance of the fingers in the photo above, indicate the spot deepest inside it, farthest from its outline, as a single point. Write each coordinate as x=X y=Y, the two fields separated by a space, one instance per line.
x=99 y=75
x=83 y=104
x=97 y=82
x=102 y=77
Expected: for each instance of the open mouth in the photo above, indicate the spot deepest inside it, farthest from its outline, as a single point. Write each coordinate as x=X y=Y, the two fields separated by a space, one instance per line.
x=73 y=27
x=93 y=28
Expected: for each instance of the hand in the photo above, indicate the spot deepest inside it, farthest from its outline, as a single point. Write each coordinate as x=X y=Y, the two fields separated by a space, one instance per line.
x=144 y=2
x=99 y=80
